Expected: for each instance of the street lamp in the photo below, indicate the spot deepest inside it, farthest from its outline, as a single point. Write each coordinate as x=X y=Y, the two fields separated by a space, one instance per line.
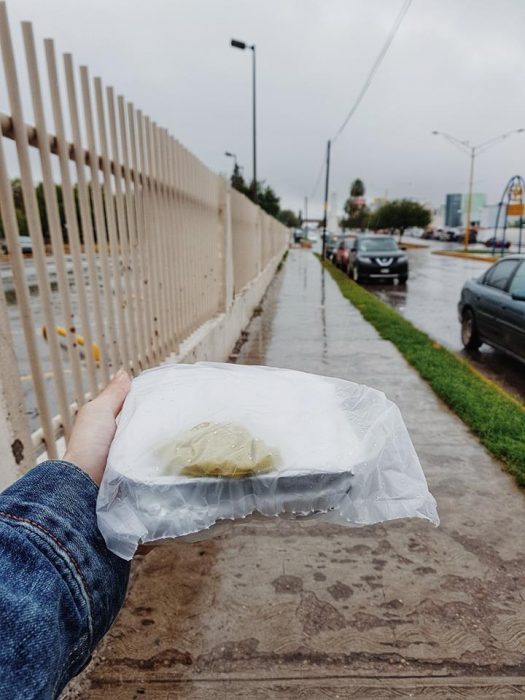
x=473 y=151
x=232 y=155
x=242 y=45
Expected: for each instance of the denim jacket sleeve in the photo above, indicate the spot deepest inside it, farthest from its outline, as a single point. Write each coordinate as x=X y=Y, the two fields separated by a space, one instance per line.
x=60 y=587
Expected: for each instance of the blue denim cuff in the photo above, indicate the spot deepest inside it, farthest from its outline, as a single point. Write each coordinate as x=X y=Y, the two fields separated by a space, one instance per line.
x=58 y=501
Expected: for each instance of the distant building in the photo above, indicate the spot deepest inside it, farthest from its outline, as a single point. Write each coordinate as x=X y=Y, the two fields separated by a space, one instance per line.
x=489 y=214
x=453 y=210
x=438 y=216
x=377 y=202
x=456 y=206
x=478 y=202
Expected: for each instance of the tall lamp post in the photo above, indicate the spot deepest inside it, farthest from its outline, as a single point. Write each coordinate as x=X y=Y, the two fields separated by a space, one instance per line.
x=473 y=151
x=232 y=155
x=242 y=45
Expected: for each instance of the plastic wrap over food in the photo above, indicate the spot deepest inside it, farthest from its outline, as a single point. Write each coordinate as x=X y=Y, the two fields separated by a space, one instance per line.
x=201 y=444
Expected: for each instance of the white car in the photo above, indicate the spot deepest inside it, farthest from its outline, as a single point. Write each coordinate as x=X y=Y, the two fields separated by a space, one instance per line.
x=415 y=232
x=26 y=244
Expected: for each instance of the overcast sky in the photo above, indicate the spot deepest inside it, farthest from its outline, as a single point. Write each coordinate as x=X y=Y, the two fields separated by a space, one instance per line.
x=455 y=66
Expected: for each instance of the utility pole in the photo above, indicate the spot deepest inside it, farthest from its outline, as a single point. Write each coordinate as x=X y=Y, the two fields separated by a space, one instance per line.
x=254 y=128
x=326 y=184
x=473 y=151
x=469 y=196
x=306 y=208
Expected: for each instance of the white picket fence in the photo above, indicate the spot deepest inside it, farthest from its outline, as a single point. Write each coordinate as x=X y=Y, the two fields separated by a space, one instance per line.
x=157 y=245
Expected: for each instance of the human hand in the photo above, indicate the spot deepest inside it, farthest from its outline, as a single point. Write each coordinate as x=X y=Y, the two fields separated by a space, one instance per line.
x=95 y=426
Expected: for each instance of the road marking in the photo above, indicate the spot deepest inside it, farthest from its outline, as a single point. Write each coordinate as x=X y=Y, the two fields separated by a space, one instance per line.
x=47 y=375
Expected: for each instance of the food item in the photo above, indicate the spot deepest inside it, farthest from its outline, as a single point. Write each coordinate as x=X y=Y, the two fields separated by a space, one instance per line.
x=217 y=450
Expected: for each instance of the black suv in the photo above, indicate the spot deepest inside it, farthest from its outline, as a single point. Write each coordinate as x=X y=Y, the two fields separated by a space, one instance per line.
x=377 y=257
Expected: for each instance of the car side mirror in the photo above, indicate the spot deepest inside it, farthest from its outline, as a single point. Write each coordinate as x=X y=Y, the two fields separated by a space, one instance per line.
x=518 y=296
x=353 y=250
x=403 y=247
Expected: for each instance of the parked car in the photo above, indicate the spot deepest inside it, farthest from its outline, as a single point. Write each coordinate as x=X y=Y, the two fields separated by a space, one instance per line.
x=26 y=244
x=492 y=308
x=298 y=235
x=332 y=241
x=414 y=231
x=496 y=243
x=472 y=236
x=312 y=236
x=341 y=254
x=445 y=234
x=377 y=257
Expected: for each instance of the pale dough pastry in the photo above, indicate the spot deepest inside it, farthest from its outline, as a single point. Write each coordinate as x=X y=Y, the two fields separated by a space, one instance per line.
x=217 y=449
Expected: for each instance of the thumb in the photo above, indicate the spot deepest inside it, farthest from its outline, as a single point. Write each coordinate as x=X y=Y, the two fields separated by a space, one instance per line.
x=116 y=391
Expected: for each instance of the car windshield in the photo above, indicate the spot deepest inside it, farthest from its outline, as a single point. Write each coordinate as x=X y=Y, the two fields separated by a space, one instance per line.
x=498 y=276
x=373 y=245
x=518 y=281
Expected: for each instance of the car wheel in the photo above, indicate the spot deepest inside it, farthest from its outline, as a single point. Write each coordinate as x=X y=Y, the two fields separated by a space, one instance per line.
x=469 y=331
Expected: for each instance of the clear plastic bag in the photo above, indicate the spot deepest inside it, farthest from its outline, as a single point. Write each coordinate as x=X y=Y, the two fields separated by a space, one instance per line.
x=318 y=446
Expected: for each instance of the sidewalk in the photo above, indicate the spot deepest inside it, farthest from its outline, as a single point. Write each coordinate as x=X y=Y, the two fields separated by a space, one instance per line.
x=308 y=611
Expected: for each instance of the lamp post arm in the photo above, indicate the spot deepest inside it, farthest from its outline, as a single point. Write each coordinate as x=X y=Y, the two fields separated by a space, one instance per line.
x=463 y=146
x=469 y=200
x=480 y=148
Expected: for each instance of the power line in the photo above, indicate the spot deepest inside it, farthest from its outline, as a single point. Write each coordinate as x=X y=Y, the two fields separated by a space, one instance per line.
x=321 y=170
x=395 y=27
x=375 y=67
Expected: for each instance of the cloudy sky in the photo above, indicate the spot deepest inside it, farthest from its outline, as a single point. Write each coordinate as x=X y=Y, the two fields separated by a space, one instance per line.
x=454 y=66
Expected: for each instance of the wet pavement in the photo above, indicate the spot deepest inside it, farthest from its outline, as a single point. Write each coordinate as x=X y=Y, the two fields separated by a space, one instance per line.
x=429 y=300
x=303 y=610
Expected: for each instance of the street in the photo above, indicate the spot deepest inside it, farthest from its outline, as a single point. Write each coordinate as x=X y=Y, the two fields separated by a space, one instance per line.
x=430 y=299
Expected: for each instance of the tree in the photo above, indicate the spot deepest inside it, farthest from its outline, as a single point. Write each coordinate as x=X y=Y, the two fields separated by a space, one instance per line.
x=289 y=218
x=18 y=200
x=358 y=188
x=40 y=198
x=357 y=213
x=237 y=181
x=400 y=214
x=268 y=200
x=265 y=197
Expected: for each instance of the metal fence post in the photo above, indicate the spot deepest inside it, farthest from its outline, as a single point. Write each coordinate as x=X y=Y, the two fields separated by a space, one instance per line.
x=16 y=446
x=228 y=246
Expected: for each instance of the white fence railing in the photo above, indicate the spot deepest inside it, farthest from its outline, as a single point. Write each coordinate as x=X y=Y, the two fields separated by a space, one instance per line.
x=157 y=244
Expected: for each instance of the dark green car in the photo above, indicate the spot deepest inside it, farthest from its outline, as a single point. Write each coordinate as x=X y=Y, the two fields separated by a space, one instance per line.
x=492 y=308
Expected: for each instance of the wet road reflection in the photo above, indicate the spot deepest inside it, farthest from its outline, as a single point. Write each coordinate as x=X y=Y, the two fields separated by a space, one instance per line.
x=429 y=300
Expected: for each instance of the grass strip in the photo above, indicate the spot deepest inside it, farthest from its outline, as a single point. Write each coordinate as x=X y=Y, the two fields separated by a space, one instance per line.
x=474 y=255
x=495 y=417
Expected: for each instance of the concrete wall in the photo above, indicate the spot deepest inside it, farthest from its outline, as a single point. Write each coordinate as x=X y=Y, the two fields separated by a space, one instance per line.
x=215 y=339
